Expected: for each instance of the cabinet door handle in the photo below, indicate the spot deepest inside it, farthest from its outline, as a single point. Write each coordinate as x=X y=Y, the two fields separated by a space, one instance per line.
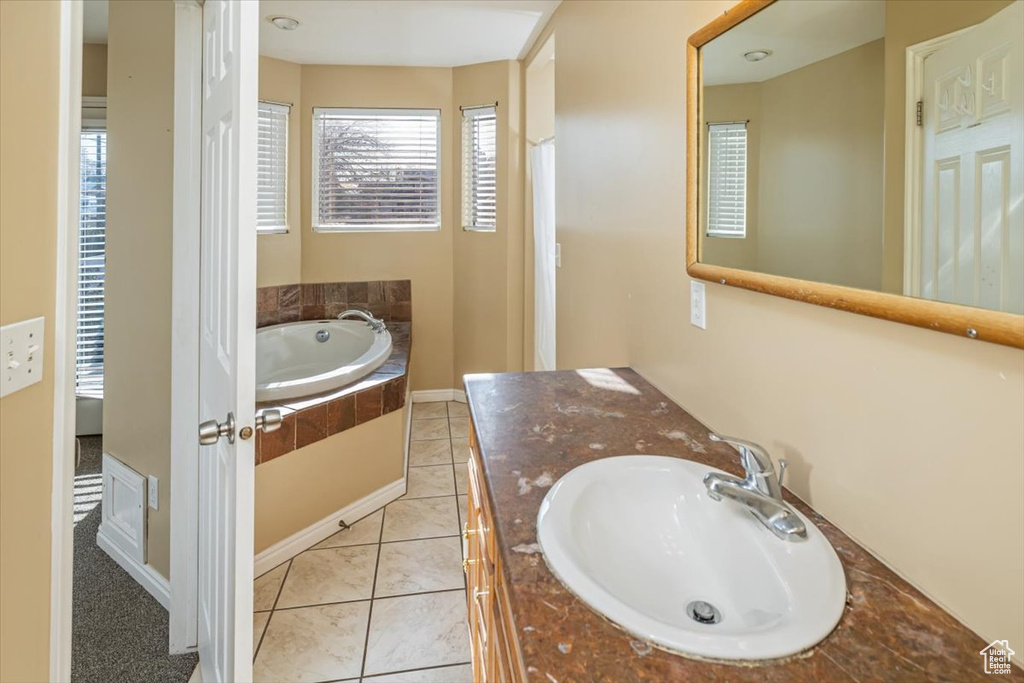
x=477 y=594
x=466 y=531
x=465 y=565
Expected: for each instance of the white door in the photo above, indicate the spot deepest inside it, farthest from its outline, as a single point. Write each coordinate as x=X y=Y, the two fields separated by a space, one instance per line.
x=542 y=159
x=227 y=309
x=972 y=228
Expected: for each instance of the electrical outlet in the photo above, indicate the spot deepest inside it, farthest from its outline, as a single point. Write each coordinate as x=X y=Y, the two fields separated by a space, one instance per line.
x=154 y=492
x=698 y=310
x=21 y=355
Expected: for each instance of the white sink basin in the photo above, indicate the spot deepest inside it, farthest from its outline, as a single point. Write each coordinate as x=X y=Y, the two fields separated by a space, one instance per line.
x=638 y=540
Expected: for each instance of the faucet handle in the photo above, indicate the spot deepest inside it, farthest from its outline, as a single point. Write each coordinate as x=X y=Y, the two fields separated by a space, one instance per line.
x=754 y=457
x=783 y=464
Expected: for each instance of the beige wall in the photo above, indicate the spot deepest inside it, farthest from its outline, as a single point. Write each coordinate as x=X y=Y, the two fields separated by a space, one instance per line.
x=820 y=214
x=140 y=121
x=884 y=424
x=488 y=265
x=305 y=486
x=722 y=104
x=279 y=257
x=816 y=225
x=94 y=70
x=29 y=34
x=908 y=22
x=423 y=257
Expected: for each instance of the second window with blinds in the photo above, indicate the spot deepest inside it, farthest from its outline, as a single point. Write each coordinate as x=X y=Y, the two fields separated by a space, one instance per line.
x=479 y=169
x=272 y=168
x=727 y=180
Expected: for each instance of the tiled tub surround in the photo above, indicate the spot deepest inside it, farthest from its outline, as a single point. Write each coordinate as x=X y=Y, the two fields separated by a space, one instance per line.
x=311 y=418
x=384 y=599
x=390 y=300
x=533 y=428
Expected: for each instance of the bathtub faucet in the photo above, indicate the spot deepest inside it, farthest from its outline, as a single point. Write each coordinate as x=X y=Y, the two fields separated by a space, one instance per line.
x=376 y=324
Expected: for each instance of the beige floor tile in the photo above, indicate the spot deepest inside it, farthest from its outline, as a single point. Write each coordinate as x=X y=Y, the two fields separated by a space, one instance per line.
x=331 y=575
x=259 y=622
x=405 y=520
x=422 y=411
x=459 y=427
x=423 y=430
x=365 y=531
x=434 y=480
x=460 y=450
x=457 y=409
x=436 y=452
x=463 y=673
x=418 y=566
x=416 y=631
x=266 y=588
x=463 y=512
x=320 y=643
x=461 y=477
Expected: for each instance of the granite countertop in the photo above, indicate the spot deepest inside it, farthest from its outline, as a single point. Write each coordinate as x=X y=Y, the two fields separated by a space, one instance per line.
x=532 y=428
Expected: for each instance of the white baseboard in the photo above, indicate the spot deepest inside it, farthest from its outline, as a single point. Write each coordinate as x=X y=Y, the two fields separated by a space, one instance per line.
x=284 y=550
x=432 y=395
x=149 y=578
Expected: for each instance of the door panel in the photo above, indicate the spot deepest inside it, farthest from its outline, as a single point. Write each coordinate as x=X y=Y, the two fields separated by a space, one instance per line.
x=227 y=336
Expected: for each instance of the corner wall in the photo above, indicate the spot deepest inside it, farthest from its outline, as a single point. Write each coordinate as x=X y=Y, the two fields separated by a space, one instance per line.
x=140 y=160
x=29 y=90
x=884 y=424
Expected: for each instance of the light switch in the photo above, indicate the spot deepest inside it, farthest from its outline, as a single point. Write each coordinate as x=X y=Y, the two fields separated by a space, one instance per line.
x=21 y=355
x=697 y=308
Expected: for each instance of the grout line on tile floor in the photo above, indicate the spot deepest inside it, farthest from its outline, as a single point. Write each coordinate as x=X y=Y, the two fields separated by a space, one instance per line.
x=373 y=589
x=270 y=616
x=422 y=668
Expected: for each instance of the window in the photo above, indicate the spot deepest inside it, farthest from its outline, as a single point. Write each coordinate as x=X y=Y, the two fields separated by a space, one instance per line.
x=272 y=168
x=727 y=180
x=92 y=260
x=376 y=169
x=479 y=168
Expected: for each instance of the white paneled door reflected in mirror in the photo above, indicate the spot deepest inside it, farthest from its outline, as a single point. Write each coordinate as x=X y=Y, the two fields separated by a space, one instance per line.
x=873 y=144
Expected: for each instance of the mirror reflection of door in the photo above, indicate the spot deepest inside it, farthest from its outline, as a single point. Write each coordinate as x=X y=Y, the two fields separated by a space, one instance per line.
x=970 y=244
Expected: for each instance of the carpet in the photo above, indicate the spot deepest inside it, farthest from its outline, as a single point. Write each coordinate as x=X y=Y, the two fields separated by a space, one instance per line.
x=119 y=631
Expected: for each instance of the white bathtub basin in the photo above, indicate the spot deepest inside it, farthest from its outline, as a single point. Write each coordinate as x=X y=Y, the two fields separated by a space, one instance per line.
x=638 y=540
x=291 y=362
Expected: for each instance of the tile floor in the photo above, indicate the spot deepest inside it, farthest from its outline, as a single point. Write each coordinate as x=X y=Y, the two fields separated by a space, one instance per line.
x=383 y=601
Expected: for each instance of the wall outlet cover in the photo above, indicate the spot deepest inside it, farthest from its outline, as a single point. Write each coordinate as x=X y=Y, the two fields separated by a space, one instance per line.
x=698 y=309
x=154 y=492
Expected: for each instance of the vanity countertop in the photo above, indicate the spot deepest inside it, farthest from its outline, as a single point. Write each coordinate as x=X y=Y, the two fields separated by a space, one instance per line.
x=532 y=428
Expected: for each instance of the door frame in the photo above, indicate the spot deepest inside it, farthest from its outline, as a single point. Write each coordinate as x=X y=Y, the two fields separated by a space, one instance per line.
x=69 y=118
x=913 y=188
x=185 y=250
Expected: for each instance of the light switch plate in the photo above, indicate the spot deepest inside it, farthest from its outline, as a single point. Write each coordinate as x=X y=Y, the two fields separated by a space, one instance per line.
x=154 y=492
x=21 y=355
x=698 y=310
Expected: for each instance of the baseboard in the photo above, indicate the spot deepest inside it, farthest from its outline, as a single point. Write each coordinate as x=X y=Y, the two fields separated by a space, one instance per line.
x=432 y=395
x=284 y=550
x=149 y=578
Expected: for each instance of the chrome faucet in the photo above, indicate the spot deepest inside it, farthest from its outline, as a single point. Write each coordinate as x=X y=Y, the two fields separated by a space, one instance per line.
x=760 y=492
x=376 y=324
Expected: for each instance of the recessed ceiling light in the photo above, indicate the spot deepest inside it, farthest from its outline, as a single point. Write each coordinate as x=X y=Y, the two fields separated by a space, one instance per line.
x=284 y=23
x=757 y=55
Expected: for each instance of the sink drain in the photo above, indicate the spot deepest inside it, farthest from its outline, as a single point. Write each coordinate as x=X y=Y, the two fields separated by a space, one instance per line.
x=703 y=612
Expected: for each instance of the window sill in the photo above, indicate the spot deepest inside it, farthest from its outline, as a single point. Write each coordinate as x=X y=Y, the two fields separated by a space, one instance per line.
x=393 y=229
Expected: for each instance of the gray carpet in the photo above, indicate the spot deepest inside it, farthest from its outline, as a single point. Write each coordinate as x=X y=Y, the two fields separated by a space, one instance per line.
x=119 y=632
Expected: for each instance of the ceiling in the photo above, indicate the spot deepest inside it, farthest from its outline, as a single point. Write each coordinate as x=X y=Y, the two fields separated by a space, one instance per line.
x=94 y=21
x=797 y=33
x=403 y=32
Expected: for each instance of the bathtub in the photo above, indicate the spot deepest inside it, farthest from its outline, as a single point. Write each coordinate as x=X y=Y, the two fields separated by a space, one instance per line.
x=291 y=361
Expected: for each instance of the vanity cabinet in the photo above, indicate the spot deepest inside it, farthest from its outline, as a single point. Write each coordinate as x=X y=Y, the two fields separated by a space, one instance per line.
x=495 y=652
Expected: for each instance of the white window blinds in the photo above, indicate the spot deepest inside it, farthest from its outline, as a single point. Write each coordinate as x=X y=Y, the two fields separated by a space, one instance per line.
x=376 y=169
x=272 y=168
x=479 y=168
x=92 y=237
x=727 y=180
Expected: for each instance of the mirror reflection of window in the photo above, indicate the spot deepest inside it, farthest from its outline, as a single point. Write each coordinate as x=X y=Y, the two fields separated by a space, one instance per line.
x=727 y=179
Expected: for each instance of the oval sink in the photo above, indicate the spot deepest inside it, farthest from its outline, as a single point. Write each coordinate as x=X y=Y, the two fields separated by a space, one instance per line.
x=638 y=540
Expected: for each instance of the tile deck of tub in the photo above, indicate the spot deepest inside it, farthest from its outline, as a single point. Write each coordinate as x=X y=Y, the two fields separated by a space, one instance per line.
x=383 y=601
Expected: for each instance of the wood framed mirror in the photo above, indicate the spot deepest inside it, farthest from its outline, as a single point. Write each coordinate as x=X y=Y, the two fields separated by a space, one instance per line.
x=865 y=155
